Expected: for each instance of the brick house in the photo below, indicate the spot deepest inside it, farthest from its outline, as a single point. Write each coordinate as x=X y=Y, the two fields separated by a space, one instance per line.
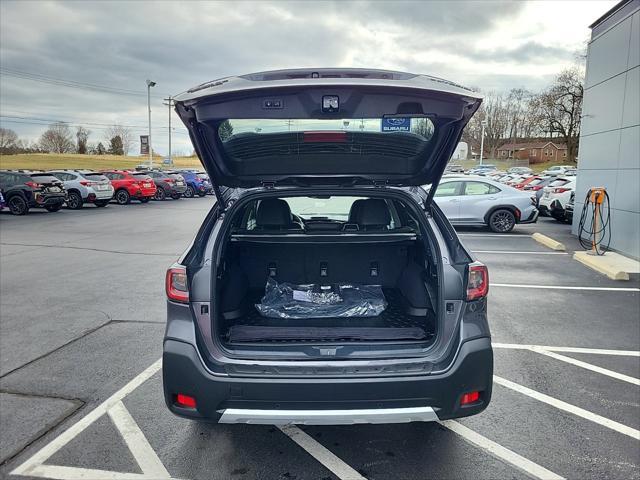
x=534 y=152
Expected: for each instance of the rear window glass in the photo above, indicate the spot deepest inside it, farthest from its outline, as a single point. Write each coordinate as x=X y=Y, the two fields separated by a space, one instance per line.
x=326 y=146
x=44 y=178
x=536 y=181
x=558 y=183
x=94 y=176
x=140 y=174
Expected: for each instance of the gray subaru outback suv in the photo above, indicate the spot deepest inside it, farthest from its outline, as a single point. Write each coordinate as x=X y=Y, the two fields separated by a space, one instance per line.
x=325 y=286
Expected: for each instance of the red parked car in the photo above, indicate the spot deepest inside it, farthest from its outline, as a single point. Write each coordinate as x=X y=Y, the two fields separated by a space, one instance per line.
x=128 y=185
x=527 y=181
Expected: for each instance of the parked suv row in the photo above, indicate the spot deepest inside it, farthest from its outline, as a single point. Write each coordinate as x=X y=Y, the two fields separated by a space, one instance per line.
x=22 y=189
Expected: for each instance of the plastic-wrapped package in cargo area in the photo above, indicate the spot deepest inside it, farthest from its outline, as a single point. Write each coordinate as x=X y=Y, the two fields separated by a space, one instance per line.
x=286 y=300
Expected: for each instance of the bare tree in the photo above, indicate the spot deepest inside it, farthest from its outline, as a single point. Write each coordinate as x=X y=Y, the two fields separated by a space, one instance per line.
x=560 y=107
x=8 y=140
x=82 y=136
x=125 y=134
x=57 y=139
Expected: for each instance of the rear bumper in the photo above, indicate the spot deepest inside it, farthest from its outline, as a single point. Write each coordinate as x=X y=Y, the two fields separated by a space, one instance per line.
x=533 y=217
x=319 y=400
x=44 y=199
x=144 y=193
x=178 y=189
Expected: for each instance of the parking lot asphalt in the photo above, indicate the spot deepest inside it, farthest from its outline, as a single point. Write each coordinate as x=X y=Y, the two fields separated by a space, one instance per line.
x=82 y=317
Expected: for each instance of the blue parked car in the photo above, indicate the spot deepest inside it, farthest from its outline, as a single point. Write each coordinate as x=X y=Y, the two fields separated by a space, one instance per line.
x=197 y=183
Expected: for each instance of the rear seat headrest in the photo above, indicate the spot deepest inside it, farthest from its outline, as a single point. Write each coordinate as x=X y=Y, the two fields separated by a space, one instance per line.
x=353 y=211
x=372 y=212
x=273 y=212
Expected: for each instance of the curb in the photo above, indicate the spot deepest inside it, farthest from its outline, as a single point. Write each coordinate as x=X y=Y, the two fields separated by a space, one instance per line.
x=599 y=264
x=548 y=242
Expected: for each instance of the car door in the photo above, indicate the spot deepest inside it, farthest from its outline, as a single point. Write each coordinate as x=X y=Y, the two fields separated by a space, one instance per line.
x=447 y=196
x=476 y=200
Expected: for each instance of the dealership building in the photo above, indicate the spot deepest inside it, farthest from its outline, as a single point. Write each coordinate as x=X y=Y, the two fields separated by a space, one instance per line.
x=609 y=154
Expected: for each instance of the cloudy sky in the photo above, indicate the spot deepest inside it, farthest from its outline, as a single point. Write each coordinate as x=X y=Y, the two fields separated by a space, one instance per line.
x=86 y=62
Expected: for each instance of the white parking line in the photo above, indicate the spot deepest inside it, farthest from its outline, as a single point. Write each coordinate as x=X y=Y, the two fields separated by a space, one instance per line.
x=595 y=351
x=567 y=407
x=153 y=468
x=138 y=444
x=318 y=451
x=563 y=287
x=492 y=235
x=519 y=253
x=588 y=366
x=501 y=452
x=34 y=465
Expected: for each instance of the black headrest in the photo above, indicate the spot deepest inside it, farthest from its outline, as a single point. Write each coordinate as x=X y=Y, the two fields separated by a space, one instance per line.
x=273 y=212
x=373 y=212
x=353 y=211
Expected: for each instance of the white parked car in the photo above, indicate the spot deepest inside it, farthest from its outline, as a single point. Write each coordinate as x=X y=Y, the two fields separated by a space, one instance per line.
x=558 y=170
x=481 y=201
x=555 y=197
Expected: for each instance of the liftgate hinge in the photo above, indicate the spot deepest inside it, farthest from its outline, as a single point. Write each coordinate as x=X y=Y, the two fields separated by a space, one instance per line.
x=269 y=185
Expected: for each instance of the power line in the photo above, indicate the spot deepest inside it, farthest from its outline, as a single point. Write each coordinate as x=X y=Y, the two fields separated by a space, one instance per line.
x=44 y=123
x=51 y=120
x=36 y=77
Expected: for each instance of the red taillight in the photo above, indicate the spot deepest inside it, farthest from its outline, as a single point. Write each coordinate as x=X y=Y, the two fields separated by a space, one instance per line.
x=560 y=190
x=185 y=401
x=176 y=285
x=324 y=137
x=33 y=184
x=170 y=180
x=478 y=281
x=87 y=184
x=471 y=397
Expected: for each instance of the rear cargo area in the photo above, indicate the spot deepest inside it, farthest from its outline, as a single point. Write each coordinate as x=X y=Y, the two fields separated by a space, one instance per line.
x=394 y=262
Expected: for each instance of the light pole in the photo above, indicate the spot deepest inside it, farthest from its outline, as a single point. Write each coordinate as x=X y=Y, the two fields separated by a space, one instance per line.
x=150 y=83
x=170 y=103
x=484 y=124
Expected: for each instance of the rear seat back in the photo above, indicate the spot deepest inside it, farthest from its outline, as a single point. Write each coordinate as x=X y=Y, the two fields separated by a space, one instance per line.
x=374 y=264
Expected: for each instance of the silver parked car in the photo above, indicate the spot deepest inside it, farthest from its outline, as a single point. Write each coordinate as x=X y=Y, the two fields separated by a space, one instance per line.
x=481 y=201
x=84 y=186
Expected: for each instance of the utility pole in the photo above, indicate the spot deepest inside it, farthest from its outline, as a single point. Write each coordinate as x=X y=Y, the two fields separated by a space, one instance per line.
x=484 y=124
x=150 y=83
x=170 y=104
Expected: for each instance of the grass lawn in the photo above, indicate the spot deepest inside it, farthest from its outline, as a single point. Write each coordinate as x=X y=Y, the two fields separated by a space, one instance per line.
x=50 y=161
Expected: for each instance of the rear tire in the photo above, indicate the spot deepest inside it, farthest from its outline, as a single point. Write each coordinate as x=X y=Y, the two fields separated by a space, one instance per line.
x=202 y=194
x=160 y=194
x=101 y=203
x=18 y=205
x=189 y=192
x=176 y=196
x=502 y=221
x=123 y=197
x=53 y=208
x=74 y=201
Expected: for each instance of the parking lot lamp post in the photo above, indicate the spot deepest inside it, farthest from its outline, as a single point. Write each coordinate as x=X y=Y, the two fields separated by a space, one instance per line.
x=150 y=83
x=484 y=124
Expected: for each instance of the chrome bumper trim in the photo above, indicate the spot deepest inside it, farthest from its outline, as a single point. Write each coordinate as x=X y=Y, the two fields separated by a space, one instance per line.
x=328 y=417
